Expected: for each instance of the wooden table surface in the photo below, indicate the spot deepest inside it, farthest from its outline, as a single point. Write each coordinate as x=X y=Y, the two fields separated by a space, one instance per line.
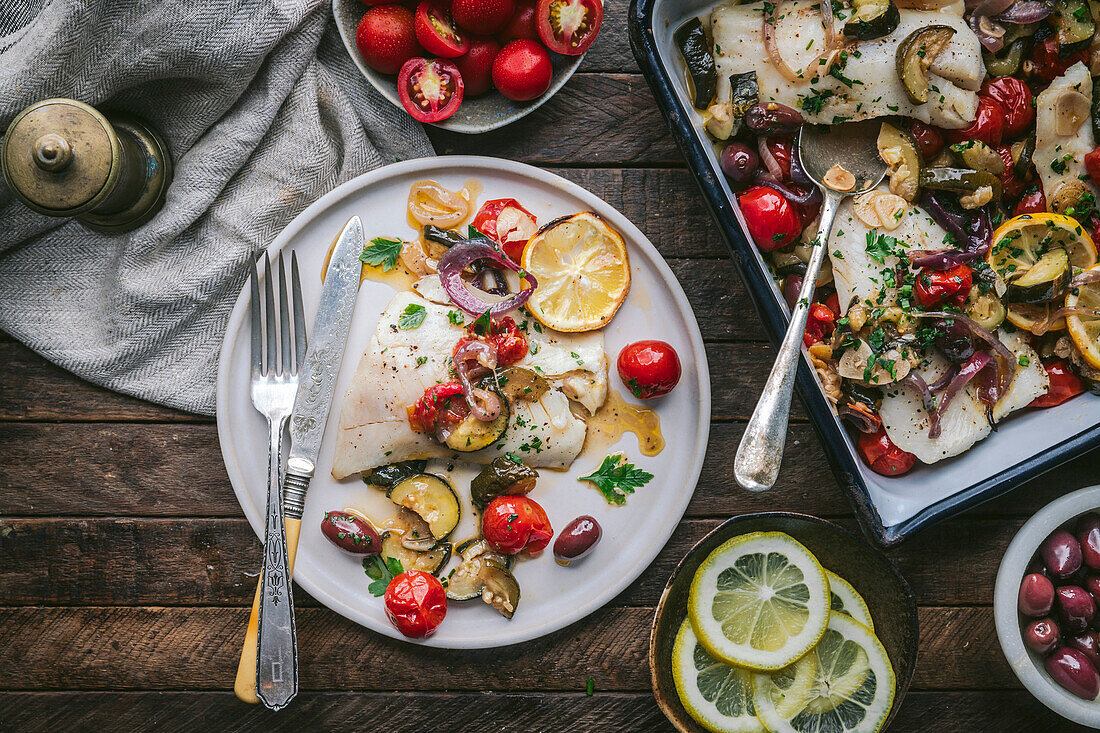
x=126 y=566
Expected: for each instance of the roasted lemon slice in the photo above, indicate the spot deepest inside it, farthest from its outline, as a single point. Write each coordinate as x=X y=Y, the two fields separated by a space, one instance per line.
x=716 y=694
x=1084 y=329
x=760 y=601
x=1022 y=240
x=844 y=599
x=583 y=273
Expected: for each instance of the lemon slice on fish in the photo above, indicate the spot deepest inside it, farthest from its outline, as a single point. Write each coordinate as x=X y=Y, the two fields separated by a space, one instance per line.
x=1084 y=329
x=843 y=598
x=1019 y=243
x=759 y=601
x=716 y=694
x=844 y=685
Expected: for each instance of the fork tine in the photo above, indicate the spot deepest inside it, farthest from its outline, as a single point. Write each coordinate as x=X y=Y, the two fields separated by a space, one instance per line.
x=299 y=316
x=284 y=321
x=257 y=325
x=272 y=335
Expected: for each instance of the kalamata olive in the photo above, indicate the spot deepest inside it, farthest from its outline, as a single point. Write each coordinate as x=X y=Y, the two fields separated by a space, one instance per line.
x=1072 y=670
x=1075 y=607
x=1036 y=566
x=1092 y=585
x=577 y=539
x=1036 y=595
x=955 y=342
x=1088 y=534
x=1062 y=553
x=351 y=533
x=792 y=288
x=772 y=118
x=1041 y=636
x=1088 y=644
x=739 y=162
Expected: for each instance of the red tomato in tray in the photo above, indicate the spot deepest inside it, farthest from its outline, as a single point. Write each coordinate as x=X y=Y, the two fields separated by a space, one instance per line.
x=484 y=17
x=1016 y=99
x=943 y=287
x=476 y=65
x=430 y=90
x=929 y=139
x=1047 y=61
x=514 y=524
x=1064 y=384
x=1010 y=182
x=1092 y=165
x=437 y=31
x=650 y=368
x=508 y=224
x=569 y=26
x=880 y=453
x=988 y=126
x=522 y=24
x=1032 y=202
x=771 y=219
x=819 y=324
x=386 y=38
x=509 y=341
x=522 y=70
x=416 y=603
x=437 y=403
x=781 y=148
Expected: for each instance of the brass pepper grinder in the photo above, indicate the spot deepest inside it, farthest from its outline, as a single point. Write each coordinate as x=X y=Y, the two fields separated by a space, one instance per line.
x=62 y=157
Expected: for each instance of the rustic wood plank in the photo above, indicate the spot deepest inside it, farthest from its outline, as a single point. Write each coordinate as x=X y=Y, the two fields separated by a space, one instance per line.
x=603 y=712
x=611 y=50
x=92 y=648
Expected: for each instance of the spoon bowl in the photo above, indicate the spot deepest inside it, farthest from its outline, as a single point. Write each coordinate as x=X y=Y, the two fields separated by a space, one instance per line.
x=852 y=146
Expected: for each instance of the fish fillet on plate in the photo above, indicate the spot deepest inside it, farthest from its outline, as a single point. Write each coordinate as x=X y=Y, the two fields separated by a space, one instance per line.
x=399 y=364
x=1063 y=136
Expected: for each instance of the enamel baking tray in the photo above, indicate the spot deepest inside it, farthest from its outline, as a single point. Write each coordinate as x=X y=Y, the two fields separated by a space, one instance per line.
x=889 y=509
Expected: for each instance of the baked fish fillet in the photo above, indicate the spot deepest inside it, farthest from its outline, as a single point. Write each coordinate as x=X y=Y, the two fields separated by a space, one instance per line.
x=1063 y=136
x=870 y=86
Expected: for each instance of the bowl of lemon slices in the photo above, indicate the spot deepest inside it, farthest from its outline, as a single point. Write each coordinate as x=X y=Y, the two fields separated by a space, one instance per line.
x=783 y=622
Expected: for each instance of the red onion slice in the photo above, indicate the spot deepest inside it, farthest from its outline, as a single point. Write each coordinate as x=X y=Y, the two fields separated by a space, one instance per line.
x=944 y=380
x=772 y=49
x=768 y=159
x=460 y=256
x=968 y=371
x=1023 y=12
x=916 y=381
x=1087 y=277
x=1006 y=357
x=1071 y=310
x=942 y=260
x=474 y=359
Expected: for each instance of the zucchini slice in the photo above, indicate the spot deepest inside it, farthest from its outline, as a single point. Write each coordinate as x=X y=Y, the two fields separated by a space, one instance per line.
x=1073 y=19
x=431 y=561
x=872 y=19
x=433 y=499
x=960 y=180
x=691 y=39
x=468 y=579
x=1046 y=280
x=899 y=151
x=386 y=477
x=728 y=119
x=472 y=434
x=501 y=591
x=1006 y=62
x=978 y=156
x=502 y=476
x=520 y=383
x=985 y=308
x=916 y=54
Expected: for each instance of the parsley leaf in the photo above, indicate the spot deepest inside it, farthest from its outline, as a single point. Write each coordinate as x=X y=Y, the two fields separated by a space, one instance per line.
x=615 y=478
x=482 y=325
x=382 y=251
x=456 y=318
x=412 y=317
x=381 y=572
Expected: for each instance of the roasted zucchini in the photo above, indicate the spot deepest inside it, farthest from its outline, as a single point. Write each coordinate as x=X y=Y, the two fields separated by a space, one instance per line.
x=1022 y=153
x=386 y=477
x=872 y=19
x=502 y=476
x=519 y=383
x=985 y=308
x=960 y=180
x=1073 y=20
x=691 y=39
x=1006 y=62
x=433 y=499
x=430 y=561
x=916 y=54
x=501 y=591
x=899 y=151
x=976 y=155
x=473 y=434
x=485 y=573
x=1046 y=280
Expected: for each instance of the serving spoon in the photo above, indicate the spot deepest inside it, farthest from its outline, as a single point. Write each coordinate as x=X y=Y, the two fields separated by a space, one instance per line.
x=843 y=161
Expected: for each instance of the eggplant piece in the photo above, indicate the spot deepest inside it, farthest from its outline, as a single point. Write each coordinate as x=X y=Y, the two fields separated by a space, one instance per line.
x=1046 y=280
x=872 y=19
x=430 y=561
x=916 y=54
x=386 y=477
x=691 y=39
x=1075 y=26
x=502 y=477
x=1006 y=62
x=473 y=434
x=960 y=180
x=1023 y=151
x=899 y=150
x=433 y=499
x=976 y=155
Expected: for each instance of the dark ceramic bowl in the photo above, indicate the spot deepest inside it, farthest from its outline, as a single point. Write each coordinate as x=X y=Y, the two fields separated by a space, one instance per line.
x=873 y=576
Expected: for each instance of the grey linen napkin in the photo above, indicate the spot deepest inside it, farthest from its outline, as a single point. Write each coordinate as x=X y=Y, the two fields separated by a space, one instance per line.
x=263 y=112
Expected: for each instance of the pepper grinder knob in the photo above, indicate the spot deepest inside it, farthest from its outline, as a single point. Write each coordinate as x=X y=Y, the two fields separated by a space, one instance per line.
x=53 y=152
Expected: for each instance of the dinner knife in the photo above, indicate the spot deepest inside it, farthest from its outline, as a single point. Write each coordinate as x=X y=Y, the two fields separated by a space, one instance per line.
x=268 y=666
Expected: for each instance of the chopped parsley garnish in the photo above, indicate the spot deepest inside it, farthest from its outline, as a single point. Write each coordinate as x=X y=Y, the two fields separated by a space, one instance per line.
x=412 y=317
x=456 y=318
x=382 y=251
x=482 y=324
x=421 y=361
x=615 y=478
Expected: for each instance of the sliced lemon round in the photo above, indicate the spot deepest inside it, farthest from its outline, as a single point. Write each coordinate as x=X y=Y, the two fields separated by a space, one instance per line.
x=1022 y=240
x=845 y=599
x=844 y=685
x=716 y=694
x=1084 y=329
x=583 y=273
x=760 y=601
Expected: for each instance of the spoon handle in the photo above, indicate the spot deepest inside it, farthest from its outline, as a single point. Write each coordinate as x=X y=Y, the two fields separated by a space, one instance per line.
x=761 y=451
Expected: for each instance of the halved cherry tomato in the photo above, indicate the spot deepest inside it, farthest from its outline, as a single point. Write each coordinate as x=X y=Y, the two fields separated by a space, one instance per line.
x=510 y=342
x=988 y=125
x=514 y=524
x=386 y=37
x=1016 y=99
x=819 y=324
x=928 y=138
x=476 y=65
x=650 y=368
x=522 y=70
x=1047 y=62
x=883 y=457
x=416 y=603
x=1032 y=202
x=569 y=26
x=437 y=31
x=437 y=403
x=1092 y=165
x=522 y=24
x=772 y=221
x=1010 y=182
x=508 y=224
x=943 y=287
x=1064 y=384
x=781 y=148
x=430 y=91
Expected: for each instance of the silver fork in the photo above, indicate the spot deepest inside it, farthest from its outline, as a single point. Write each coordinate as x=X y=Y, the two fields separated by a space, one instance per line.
x=274 y=384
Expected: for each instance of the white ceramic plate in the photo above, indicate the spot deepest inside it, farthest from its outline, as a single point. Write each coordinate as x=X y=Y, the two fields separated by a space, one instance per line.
x=552 y=596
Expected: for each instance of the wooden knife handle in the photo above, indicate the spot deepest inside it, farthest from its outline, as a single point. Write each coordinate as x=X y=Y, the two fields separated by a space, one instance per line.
x=245 y=686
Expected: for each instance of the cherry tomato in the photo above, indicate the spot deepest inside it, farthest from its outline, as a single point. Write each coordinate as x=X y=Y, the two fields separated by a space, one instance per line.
x=511 y=343
x=569 y=26
x=437 y=402
x=522 y=24
x=819 y=324
x=1092 y=165
x=476 y=65
x=514 y=524
x=928 y=138
x=1046 y=60
x=484 y=17
x=430 y=90
x=437 y=31
x=832 y=302
x=781 y=149
x=522 y=70
x=1010 y=182
x=883 y=457
x=1063 y=384
x=943 y=287
x=772 y=221
x=987 y=127
x=1016 y=99
x=650 y=368
x=1033 y=202
x=508 y=224
x=416 y=603
x=386 y=37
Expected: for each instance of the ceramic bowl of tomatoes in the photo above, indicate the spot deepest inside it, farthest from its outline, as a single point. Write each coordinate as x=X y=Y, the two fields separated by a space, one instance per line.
x=468 y=66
